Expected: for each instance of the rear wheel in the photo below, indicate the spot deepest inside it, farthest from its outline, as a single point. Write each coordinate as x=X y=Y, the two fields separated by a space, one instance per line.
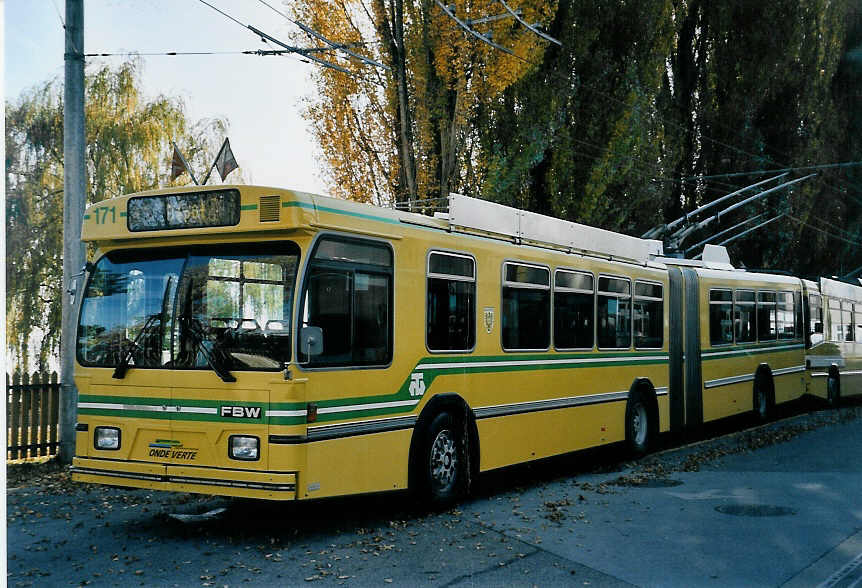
x=638 y=425
x=442 y=470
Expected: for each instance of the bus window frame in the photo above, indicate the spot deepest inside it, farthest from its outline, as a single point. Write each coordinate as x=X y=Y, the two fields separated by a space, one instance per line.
x=188 y=252
x=504 y=283
x=746 y=304
x=710 y=302
x=300 y=293
x=798 y=315
x=635 y=298
x=631 y=310
x=573 y=291
x=828 y=308
x=810 y=318
x=474 y=280
x=774 y=305
x=790 y=294
x=849 y=328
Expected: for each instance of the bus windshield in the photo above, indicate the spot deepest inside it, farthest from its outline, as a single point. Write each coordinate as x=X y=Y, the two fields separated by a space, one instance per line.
x=221 y=307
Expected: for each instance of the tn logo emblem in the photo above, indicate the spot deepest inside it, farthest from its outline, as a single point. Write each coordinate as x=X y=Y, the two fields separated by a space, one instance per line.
x=417 y=384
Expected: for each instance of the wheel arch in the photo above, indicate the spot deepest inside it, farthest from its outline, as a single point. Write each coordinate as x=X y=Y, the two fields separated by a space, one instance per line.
x=763 y=376
x=764 y=373
x=455 y=405
x=645 y=388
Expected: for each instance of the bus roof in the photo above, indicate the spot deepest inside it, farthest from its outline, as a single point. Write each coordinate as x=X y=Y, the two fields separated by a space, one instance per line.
x=196 y=210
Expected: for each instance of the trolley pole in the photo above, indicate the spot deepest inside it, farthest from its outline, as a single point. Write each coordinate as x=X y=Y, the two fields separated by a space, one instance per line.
x=74 y=199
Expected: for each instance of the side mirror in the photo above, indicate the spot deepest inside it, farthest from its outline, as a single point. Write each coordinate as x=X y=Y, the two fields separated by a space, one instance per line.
x=311 y=341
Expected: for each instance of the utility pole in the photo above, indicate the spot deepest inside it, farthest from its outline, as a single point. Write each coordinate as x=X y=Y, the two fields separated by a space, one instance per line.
x=74 y=199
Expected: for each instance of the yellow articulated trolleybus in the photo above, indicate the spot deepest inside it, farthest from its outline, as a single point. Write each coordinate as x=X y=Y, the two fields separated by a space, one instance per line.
x=257 y=342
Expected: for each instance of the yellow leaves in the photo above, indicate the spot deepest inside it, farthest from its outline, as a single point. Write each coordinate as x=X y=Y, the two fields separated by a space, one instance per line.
x=450 y=76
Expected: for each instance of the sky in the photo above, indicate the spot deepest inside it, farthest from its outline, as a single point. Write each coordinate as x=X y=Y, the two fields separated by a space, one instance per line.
x=259 y=96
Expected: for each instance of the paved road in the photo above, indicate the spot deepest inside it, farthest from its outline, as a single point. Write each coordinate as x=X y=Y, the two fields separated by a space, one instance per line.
x=773 y=506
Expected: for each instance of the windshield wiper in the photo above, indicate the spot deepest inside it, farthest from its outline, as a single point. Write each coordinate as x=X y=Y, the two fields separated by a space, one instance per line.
x=123 y=364
x=216 y=358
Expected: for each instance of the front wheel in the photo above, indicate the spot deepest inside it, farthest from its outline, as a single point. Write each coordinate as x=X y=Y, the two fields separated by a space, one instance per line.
x=443 y=464
x=638 y=426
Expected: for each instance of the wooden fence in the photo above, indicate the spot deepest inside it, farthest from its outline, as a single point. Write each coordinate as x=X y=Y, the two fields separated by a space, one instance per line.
x=32 y=416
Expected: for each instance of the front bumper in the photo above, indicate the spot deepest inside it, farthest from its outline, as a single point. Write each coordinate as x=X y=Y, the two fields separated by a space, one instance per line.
x=200 y=480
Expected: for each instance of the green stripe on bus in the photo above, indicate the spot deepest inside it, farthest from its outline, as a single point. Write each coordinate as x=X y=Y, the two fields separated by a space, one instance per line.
x=308 y=206
x=195 y=403
x=498 y=363
x=184 y=416
x=216 y=403
x=248 y=207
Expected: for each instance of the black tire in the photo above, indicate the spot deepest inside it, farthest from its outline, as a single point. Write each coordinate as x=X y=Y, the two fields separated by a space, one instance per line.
x=441 y=462
x=762 y=399
x=833 y=391
x=640 y=429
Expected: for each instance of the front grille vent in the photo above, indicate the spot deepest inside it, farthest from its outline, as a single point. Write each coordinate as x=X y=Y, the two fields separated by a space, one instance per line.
x=270 y=208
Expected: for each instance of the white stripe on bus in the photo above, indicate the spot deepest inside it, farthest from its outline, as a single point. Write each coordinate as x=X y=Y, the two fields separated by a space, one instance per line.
x=748 y=351
x=528 y=362
x=750 y=377
x=373 y=406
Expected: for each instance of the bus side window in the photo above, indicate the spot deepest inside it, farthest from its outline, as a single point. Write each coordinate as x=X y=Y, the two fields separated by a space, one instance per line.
x=648 y=312
x=526 y=307
x=766 y=326
x=614 y=310
x=785 y=316
x=815 y=319
x=720 y=317
x=574 y=309
x=450 y=319
x=847 y=319
x=836 y=333
x=744 y=317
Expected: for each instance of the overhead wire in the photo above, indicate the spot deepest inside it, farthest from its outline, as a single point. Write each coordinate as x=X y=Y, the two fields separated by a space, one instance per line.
x=824 y=231
x=831 y=225
x=311 y=32
x=264 y=36
x=761 y=172
x=167 y=53
x=60 y=16
x=604 y=150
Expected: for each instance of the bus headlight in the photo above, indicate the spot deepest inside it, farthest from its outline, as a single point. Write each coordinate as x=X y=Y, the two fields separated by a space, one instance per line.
x=244 y=447
x=107 y=438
